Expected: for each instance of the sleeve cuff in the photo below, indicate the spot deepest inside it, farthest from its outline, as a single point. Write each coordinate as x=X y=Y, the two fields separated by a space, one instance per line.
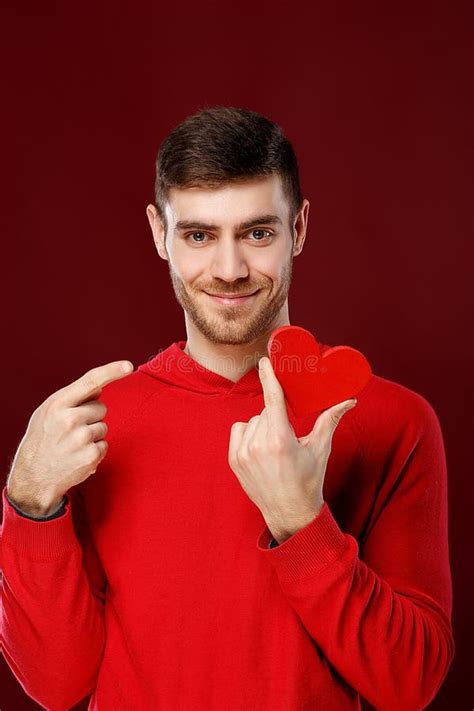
x=309 y=550
x=41 y=539
x=59 y=511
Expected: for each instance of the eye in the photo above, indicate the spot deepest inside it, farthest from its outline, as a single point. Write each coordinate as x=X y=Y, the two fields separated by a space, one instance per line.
x=261 y=230
x=192 y=235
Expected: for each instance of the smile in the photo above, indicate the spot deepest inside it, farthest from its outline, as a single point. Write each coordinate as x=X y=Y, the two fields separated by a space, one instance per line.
x=232 y=300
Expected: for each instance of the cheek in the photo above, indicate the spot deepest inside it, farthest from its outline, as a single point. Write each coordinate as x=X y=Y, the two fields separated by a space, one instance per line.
x=268 y=267
x=187 y=269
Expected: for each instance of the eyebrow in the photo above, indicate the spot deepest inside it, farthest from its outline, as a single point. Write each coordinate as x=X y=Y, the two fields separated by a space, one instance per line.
x=257 y=220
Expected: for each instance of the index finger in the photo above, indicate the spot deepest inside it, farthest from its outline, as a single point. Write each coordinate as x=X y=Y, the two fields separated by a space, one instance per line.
x=88 y=385
x=273 y=395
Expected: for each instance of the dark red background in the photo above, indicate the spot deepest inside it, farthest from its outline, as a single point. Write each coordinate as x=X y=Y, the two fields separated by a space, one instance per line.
x=376 y=100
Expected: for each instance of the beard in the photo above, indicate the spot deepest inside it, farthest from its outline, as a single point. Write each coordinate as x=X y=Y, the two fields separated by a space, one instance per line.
x=234 y=325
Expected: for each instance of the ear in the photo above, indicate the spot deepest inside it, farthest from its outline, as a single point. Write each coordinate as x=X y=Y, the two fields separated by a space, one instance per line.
x=300 y=226
x=158 y=231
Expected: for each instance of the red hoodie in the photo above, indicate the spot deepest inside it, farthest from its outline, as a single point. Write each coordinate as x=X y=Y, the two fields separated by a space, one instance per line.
x=156 y=589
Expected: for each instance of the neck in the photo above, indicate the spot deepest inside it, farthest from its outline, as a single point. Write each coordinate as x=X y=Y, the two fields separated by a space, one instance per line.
x=229 y=360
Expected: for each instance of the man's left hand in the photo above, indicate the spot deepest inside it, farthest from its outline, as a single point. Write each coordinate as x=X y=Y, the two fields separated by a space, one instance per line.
x=283 y=474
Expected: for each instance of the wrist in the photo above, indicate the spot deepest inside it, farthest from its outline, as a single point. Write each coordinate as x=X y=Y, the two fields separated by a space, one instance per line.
x=34 y=505
x=282 y=531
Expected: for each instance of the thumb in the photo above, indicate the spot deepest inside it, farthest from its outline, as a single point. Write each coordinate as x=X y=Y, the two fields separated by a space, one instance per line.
x=336 y=412
x=328 y=420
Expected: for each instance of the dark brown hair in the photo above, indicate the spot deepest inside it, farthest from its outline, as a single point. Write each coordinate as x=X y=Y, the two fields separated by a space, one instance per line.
x=222 y=144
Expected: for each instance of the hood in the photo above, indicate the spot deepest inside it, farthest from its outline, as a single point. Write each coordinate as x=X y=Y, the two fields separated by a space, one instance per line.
x=174 y=367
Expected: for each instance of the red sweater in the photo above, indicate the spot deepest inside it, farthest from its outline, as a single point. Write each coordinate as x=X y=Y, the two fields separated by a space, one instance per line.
x=155 y=590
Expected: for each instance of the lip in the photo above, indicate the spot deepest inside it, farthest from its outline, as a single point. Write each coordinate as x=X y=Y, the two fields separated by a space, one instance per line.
x=232 y=300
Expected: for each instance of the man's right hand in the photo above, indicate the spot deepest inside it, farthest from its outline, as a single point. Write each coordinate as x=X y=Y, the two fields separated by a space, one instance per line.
x=64 y=442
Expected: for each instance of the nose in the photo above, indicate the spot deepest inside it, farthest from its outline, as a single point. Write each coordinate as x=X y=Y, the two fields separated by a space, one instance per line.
x=228 y=263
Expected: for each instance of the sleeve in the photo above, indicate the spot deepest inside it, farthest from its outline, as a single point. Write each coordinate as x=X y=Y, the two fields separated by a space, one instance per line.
x=52 y=595
x=381 y=611
x=59 y=511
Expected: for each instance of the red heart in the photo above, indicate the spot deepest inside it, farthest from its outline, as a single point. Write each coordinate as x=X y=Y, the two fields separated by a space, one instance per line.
x=313 y=380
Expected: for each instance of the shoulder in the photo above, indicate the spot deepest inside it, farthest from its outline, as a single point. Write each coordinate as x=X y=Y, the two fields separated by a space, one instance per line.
x=388 y=398
x=389 y=414
x=390 y=406
x=126 y=399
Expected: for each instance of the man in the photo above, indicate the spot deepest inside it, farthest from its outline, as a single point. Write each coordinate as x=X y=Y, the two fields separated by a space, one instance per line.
x=226 y=555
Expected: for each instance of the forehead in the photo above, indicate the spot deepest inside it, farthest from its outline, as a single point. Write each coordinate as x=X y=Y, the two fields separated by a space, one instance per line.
x=228 y=204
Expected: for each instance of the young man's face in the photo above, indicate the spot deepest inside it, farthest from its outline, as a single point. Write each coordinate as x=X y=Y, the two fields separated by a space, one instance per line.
x=215 y=253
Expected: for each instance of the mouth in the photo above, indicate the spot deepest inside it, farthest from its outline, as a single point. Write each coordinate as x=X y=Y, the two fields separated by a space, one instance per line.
x=230 y=299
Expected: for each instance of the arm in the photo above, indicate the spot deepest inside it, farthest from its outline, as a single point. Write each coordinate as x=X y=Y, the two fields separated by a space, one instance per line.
x=380 y=610
x=52 y=603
